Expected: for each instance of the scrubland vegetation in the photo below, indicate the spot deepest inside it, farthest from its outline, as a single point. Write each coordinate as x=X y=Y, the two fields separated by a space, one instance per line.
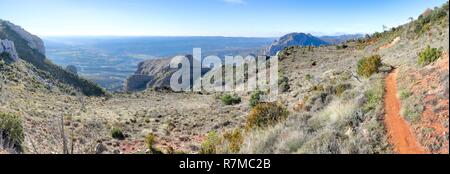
x=331 y=101
x=11 y=132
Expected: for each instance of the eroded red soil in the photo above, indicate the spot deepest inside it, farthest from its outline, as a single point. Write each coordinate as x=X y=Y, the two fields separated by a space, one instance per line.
x=400 y=133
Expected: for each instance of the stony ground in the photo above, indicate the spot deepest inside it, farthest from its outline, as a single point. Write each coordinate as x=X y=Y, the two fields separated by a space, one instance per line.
x=179 y=121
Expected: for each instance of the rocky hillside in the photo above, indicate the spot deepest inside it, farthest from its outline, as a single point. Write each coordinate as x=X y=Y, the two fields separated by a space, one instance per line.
x=302 y=39
x=154 y=73
x=8 y=47
x=334 y=40
x=33 y=41
x=31 y=49
x=336 y=107
x=299 y=39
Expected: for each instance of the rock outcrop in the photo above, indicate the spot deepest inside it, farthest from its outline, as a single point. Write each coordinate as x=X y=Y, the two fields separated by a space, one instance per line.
x=155 y=74
x=137 y=82
x=30 y=49
x=72 y=69
x=294 y=39
x=7 y=46
x=34 y=42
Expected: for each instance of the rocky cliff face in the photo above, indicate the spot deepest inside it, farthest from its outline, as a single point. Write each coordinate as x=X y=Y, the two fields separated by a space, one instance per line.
x=294 y=39
x=7 y=46
x=154 y=74
x=33 y=41
x=30 y=48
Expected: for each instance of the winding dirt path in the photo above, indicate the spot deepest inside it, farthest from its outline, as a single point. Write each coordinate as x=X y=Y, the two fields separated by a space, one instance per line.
x=400 y=134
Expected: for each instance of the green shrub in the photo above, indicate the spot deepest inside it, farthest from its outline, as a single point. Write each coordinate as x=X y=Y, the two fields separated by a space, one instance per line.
x=404 y=94
x=117 y=133
x=255 y=98
x=230 y=99
x=317 y=88
x=11 y=128
x=210 y=145
x=341 y=88
x=266 y=114
x=283 y=83
x=369 y=65
x=308 y=77
x=424 y=22
x=429 y=55
x=412 y=112
x=374 y=96
x=5 y=58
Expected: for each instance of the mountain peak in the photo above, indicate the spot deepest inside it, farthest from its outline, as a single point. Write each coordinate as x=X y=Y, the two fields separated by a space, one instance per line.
x=291 y=39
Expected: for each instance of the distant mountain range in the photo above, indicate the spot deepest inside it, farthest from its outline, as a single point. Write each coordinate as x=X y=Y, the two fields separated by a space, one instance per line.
x=341 y=38
x=303 y=39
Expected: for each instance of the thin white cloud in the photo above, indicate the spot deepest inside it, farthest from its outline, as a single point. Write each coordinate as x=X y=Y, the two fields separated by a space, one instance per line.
x=237 y=2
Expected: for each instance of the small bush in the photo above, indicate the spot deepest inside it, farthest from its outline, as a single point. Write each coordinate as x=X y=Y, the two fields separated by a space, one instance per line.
x=283 y=83
x=235 y=140
x=341 y=88
x=11 y=130
x=308 y=77
x=5 y=55
x=210 y=145
x=374 y=97
x=369 y=65
x=150 y=140
x=230 y=99
x=340 y=47
x=412 y=111
x=266 y=114
x=117 y=133
x=404 y=94
x=429 y=55
x=255 y=98
x=317 y=88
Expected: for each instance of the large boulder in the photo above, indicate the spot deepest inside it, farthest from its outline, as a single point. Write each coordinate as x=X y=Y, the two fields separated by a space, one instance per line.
x=72 y=69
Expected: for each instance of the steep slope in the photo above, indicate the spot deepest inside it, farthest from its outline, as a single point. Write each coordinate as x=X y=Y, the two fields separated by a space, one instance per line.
x=150 y=73
x=33 y=41
x=334 y=110
x=30 y=49
x=155 y=73
x=294 y=39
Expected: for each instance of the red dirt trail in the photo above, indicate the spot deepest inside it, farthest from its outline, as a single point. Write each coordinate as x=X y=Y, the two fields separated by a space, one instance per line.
x=400 y=134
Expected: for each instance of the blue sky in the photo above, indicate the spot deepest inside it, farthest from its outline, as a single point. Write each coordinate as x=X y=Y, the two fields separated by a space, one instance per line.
x=262 y=18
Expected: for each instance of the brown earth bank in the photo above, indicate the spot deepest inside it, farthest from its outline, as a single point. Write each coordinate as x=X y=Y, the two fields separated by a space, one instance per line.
x=430 y=91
